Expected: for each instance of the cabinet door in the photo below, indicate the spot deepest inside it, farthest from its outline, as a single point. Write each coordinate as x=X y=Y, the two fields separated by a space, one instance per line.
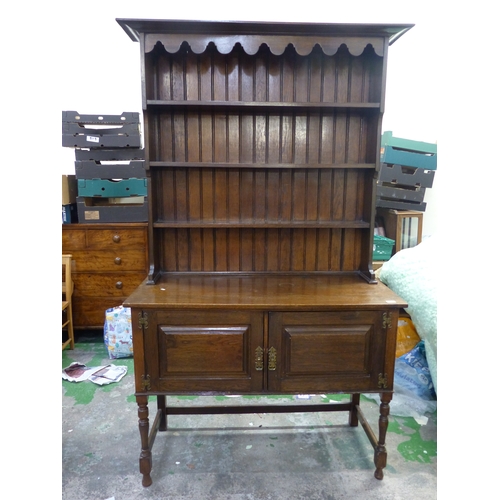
x=204 y=351
x=326 y=351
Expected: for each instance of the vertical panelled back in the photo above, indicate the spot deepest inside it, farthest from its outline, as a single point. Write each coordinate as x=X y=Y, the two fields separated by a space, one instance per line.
x=262 y=163
x=261 y=250
x=263 y=77
x=314 y=137
x=222 y=196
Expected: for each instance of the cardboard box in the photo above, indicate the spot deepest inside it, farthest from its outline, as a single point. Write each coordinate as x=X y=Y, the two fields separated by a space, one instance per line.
x=69 y=214
x=69 y=189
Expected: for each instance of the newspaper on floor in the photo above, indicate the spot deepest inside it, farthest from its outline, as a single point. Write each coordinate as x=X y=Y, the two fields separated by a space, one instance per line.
x=100 y=375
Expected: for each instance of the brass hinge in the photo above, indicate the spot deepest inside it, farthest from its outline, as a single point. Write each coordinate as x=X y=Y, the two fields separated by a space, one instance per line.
x=146 y=383
x=259 y=359
x=143 y=320
x=271 y=359
x=386 y=321
x=382 y=381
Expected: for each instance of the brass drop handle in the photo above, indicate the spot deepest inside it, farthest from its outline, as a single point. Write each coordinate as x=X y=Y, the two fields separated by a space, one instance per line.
x=259 y=359
x=271 y=359
x=119 y=285
x=116 y=238
x=118 y=261
x=386 y=321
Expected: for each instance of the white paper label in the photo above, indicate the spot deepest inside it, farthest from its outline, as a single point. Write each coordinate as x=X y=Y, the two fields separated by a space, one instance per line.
x=91 y=138
x=91 y=215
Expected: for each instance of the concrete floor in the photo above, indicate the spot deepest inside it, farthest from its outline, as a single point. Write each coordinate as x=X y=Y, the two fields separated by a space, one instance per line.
x=286 y=456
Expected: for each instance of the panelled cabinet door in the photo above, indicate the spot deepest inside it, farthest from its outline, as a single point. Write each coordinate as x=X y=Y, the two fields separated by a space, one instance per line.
x=197 y=351
x=326 y=351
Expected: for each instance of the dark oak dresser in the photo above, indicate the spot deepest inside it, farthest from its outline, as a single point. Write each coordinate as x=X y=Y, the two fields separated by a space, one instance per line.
x=262 y=146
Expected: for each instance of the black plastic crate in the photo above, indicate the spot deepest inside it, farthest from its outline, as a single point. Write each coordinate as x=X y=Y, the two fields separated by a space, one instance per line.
x=100 y=155
x=97 y=210
x=406 y=176
x=91 y=169
x=101 y=131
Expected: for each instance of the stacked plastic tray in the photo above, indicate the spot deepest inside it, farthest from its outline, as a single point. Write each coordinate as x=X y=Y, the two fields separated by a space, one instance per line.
x=109 y=166
x=407 y=170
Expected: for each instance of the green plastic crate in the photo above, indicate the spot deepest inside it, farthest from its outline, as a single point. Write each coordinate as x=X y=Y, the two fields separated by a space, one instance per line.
x=108 y=188
x=382 y=247
x=397 y=151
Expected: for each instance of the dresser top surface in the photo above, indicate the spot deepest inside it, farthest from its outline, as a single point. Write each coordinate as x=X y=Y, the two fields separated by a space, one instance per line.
x=251 y=34
x=265 y=292
x=134 y=26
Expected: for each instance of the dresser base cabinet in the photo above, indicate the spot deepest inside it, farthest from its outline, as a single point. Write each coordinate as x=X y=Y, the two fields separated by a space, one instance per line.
x=262 y=335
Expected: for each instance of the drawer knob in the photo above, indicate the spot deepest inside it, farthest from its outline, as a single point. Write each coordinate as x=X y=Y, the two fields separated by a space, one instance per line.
x=116 y=238
x=119 y=285
x=118 y=261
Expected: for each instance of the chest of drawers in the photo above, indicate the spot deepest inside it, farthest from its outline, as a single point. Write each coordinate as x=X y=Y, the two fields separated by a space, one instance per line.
x=109 y=262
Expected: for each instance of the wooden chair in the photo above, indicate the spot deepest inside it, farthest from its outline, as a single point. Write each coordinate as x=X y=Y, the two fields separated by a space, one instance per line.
x=67 y=292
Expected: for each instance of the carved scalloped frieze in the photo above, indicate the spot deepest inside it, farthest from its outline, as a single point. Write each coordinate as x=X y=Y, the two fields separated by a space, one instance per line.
x=251 y=43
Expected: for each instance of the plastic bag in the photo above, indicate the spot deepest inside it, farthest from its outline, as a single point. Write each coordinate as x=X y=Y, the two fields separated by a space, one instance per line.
x=414 y=394
x=411 y=372
x=408 y=337
x=118 y=332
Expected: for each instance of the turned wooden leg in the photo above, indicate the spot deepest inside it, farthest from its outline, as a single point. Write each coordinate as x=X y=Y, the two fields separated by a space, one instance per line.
x=162 y=406
x=145 y=461
x=353 y=413
x=380 y=457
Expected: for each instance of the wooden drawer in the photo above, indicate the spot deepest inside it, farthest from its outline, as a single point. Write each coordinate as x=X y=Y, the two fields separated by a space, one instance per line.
x=76 y=237
x=119 y=260
x=73 y=240
x=106 y=284
x=91 y=312
x=113 y=239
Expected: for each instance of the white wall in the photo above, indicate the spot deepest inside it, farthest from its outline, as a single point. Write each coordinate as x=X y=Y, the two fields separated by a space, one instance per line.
x=100 y=73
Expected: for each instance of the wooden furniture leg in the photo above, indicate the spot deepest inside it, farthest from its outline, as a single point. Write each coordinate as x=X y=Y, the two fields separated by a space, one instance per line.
x=145 y=461
x=67 y=302
x=380 y=457
x=162 y=407
x=353 y=412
